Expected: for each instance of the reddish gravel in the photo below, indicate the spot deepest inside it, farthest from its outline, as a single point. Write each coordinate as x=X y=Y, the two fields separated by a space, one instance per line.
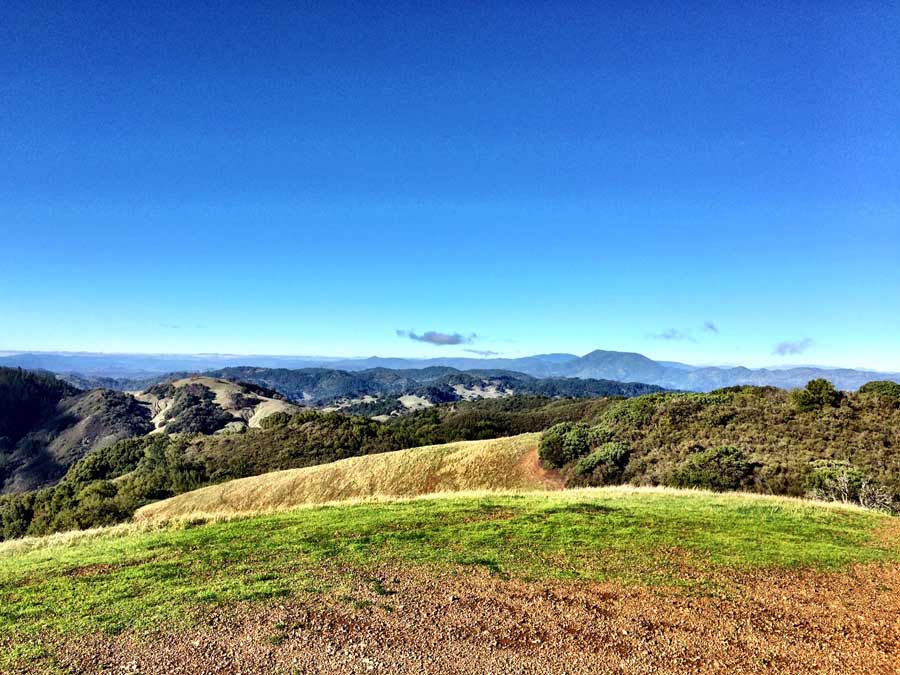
x=413 y=621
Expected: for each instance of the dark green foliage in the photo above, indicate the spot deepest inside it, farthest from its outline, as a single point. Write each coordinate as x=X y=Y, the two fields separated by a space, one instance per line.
x=604 y=466
x=563 y=443
x=278 y=419
x=835 y=480
x=817 y=395
x=26 y=399
x=194 y=410
x=725 y=467
x=378 y=408
x=663 y=430
x=887 y=392
x=323 y=386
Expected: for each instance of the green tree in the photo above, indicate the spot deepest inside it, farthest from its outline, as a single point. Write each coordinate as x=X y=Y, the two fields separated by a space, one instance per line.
x=888 y=393
x=604 y=466
x=818 y=394
x=564 y=442
x=725 y=467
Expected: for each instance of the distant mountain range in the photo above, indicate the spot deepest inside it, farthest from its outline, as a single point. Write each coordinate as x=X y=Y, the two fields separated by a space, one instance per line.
x=142 y=369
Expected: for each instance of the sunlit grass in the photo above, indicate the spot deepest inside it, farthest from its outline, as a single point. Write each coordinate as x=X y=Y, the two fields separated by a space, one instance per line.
x=137 y=579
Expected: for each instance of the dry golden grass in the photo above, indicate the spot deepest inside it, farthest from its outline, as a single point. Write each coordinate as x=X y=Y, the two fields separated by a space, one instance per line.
x=499 y=464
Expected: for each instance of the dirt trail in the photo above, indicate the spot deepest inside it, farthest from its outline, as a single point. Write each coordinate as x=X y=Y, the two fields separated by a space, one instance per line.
x=550 y=479
x=409 y=621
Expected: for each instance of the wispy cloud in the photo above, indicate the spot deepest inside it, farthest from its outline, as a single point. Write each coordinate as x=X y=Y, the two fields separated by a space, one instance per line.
x=673 y=335
x=482 y=352
x=710 y=327
x=437 y=338
x=790 y=347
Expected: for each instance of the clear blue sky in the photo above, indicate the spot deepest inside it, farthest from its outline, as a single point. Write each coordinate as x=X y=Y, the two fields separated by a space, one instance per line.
x=310 y=178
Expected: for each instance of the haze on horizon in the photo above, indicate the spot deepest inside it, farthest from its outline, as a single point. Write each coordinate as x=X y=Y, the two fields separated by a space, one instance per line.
x=708 y=185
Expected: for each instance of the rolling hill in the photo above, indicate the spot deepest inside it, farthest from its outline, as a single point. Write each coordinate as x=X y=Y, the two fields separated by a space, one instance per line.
x=46 y=426
x=500 y=464
x=385 y=391
x=199 y=404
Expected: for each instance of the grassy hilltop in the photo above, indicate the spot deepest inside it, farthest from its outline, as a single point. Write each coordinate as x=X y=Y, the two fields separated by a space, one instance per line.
x=138 y=583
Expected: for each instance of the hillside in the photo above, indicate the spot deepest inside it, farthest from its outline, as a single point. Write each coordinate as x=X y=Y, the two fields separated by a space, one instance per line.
x=501 y=464
x=761 y=439
x=108 y=485
x=383 y=391
x=758 y=439
x=198 y=404
x=46 y=426
x=583 y=581
x=661 y=439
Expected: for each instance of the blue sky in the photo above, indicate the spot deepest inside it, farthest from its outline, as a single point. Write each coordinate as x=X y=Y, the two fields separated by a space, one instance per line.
x=312 y=178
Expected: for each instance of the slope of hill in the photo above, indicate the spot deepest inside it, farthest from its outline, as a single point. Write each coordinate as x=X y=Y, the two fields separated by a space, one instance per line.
x=385 y=391
x=772 y=446
x=783 y=449
x=46 y=426
x=583 y=581
x=754 y=438
x=198 y=404
x=26 y=400
x=107 y=485
x=500 y=464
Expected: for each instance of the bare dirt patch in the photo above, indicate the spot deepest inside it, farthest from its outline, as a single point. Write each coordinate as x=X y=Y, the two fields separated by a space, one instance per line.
x=402 y=620
x=549 y=479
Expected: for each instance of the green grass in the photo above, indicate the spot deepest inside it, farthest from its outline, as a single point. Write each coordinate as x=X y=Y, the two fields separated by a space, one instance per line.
x=139 y=580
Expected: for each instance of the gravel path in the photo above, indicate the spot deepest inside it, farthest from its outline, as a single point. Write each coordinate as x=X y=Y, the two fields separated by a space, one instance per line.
x=412 y=621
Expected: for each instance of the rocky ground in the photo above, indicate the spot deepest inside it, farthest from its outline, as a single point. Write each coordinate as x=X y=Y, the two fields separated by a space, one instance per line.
x=406 y=620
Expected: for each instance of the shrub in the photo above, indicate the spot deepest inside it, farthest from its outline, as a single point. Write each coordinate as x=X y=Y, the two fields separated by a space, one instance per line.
x=817 y=395
x=839 y=481
x=835 y=481
x=888 y=393
x=604 y=466
x=600 y=434
x=725 y=467
x=876 y=497
x=278 y=419
x=564 y=442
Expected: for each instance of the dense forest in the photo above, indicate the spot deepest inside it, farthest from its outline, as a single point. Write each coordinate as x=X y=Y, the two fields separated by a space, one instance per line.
x=26 y=400
x=814 y=441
